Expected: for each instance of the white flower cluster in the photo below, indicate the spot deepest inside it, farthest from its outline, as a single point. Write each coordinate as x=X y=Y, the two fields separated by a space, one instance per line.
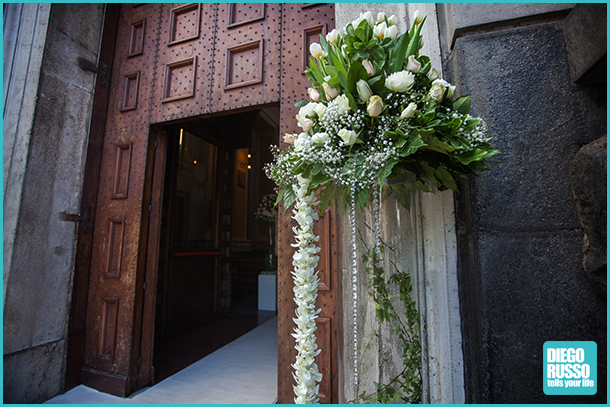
x=305 y=260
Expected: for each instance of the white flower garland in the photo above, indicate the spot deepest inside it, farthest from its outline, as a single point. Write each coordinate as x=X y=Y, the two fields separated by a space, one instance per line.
x=305 y=260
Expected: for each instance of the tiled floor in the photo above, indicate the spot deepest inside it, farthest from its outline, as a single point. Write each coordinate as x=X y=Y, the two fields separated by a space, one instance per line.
x=242 y=372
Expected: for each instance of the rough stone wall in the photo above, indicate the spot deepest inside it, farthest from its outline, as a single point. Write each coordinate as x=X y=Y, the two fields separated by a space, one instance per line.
x=39 y=282
x=423 y=243
x=520 y=240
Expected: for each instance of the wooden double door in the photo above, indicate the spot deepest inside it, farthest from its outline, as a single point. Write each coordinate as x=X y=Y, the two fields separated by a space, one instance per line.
x=167 y=65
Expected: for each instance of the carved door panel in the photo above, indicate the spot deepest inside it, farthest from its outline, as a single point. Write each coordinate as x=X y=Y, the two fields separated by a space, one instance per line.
x=302 y=24
x=116 y=283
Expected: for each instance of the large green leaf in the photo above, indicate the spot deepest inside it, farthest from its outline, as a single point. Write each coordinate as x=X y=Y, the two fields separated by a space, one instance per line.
x=462 y=104
x=413 y=48
x=397 y=56
x=326 y=196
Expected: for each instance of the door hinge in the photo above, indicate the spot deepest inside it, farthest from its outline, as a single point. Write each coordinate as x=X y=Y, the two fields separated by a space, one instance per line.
x=150 y=208
x=144 y=286
x=101 y=70
x=85 y=219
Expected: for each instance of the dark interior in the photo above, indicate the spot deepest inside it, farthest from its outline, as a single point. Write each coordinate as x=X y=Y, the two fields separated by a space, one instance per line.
x=211 y=250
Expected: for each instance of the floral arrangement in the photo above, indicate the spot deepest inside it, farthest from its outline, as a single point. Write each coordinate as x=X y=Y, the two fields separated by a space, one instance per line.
x=266 y=212
x=380 y=121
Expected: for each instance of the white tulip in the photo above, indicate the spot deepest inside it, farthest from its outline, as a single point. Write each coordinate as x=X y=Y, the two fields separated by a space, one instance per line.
x=409 y=111
x=400 y=81
x=392 y=32
x=393 y=20
x=417 y=17
x=364 y=90
x=380 y=17
x=348 y=136
x=316 y=50
x=333 y=36
x=413 y=64
x=368 y=16
x=379 y=30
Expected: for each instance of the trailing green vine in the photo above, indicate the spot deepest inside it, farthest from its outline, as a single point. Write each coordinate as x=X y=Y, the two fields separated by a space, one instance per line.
x=407 y=385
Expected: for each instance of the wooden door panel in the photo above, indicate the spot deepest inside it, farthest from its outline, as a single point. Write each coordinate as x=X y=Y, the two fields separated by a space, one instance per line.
x=185 y=61
x=247 y=56
x=301 y=25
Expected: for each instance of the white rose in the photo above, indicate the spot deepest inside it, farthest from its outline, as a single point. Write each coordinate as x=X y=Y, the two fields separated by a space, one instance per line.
x=301 y=141
x=320 y=108
x=413 y=64
x=304 y=123
x=333 y=36
x=379 y=30
x=364 y=90
x=437 y=92
x=348 y=137
x=319 y=138
x=449 y=87
x=330 y=93
x=316 y=50
x=434 y=74
x=342 y=105
x=375 y=106
x=400 y=81
x=308 y=110
x=392 y=32
x=409 y=111
x=313 y=94
x=290 y=138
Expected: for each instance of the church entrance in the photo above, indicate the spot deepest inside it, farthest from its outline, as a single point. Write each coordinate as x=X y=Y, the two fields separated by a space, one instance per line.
x=211 y=250
x=194 y=94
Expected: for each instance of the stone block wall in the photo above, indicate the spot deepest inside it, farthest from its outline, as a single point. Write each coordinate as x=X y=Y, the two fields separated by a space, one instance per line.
x=520 y=240
x=38 y=281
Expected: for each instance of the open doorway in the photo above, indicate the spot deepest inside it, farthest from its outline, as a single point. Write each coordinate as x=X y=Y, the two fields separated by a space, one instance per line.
x=212 y=252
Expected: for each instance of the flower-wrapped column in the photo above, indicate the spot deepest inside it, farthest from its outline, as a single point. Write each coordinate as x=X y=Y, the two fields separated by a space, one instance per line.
x=305 y=260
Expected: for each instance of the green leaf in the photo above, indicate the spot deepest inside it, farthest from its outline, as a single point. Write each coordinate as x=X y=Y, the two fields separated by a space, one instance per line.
x=300 y=104
x=397 y=56
x=316 y=170
x=413 y=48
x=462 y=104
x=341 y=71
x=326 y=196
x=356 y=73
x=402 y=194
x=289 y=198
x=434 y=144
x=362 y=198
x=317 y=72
x=412 y=145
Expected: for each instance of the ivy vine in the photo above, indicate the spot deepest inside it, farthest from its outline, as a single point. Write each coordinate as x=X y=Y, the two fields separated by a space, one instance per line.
x=407 y=385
